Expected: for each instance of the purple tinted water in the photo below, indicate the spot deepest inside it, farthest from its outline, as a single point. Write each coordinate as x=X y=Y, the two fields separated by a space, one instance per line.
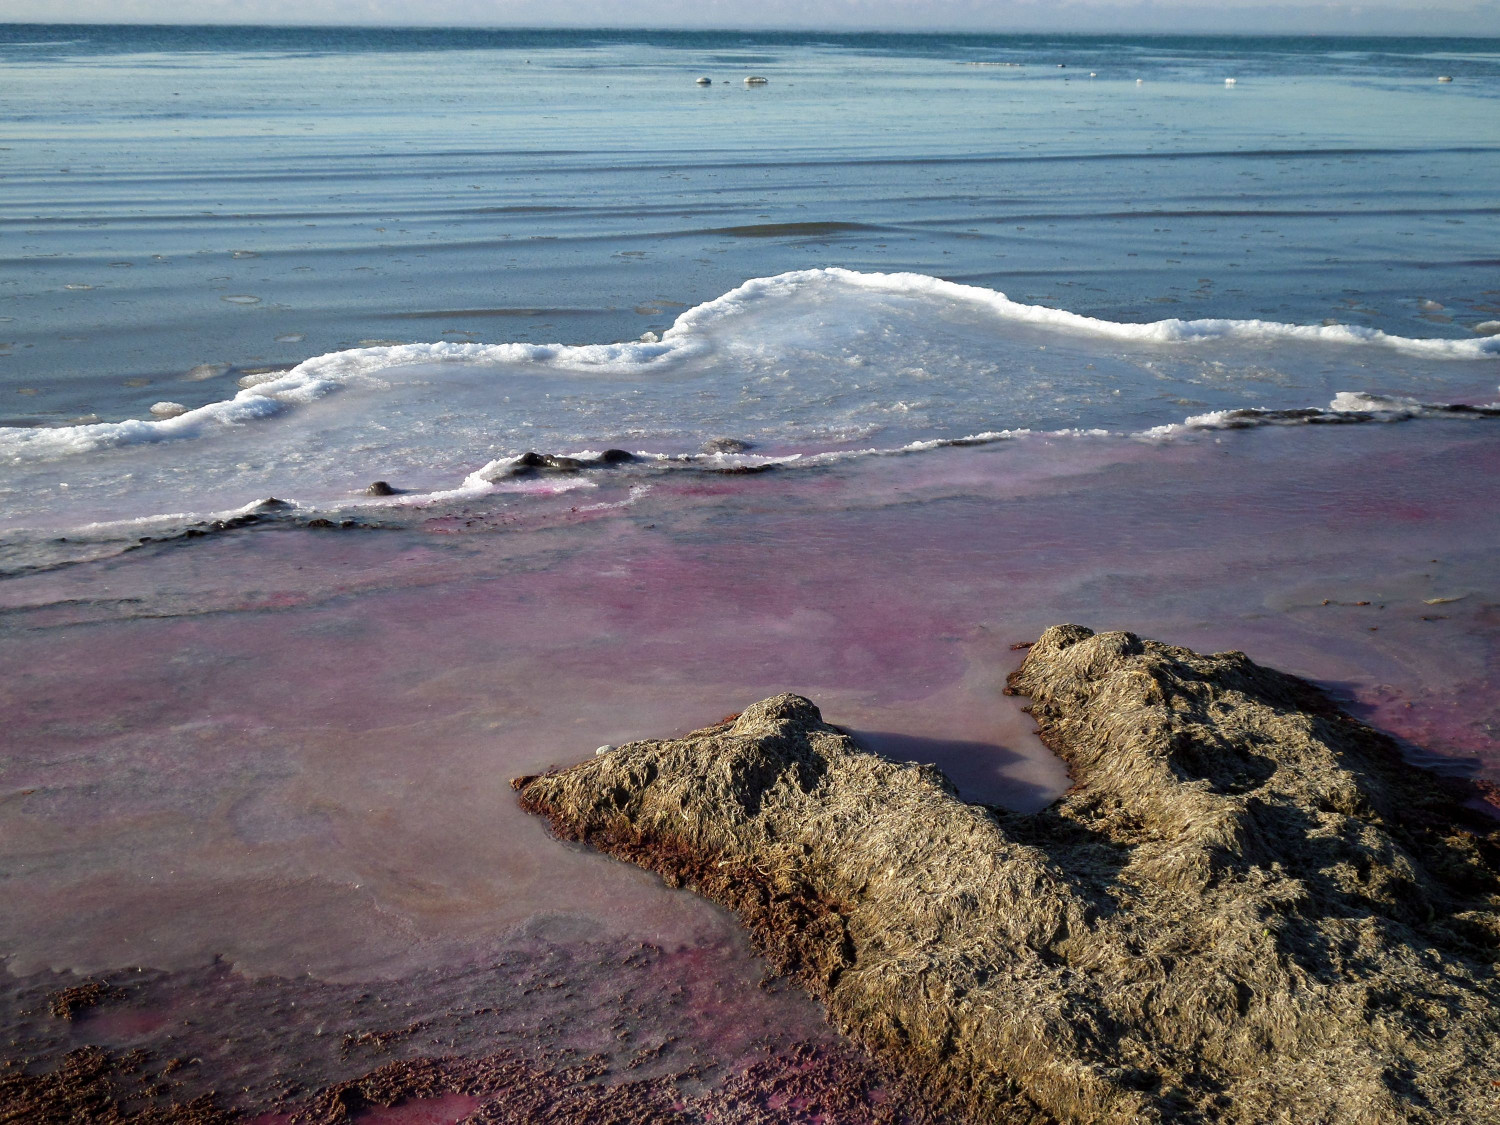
x=216 y=745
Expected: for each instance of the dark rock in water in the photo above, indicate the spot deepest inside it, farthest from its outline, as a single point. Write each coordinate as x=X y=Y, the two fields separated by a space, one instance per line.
x=529 y=462
x=727 y=445
x=744 y=470
x=616 y=456
x=243 y=520
x=272 y=504
x=1248 y=908
x=320 y=523
x=381 y=488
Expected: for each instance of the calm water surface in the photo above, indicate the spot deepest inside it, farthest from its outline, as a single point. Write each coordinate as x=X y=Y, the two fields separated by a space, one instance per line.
x=177 y=203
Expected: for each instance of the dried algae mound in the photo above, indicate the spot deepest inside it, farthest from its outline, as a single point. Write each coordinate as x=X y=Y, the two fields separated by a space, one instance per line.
x=1247 y=909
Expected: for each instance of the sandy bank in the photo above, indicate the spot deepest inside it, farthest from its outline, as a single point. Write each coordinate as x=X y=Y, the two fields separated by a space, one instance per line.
x=1248 y=908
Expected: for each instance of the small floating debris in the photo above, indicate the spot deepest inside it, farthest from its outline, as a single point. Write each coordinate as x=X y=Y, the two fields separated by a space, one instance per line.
x=1092 y=74
x=241 y=299
x=1444 y=601
x=756 y=80
x=1230 y=81
x=168 y=409
x=1445 y=78
x=705 y=81
x=1140 y=81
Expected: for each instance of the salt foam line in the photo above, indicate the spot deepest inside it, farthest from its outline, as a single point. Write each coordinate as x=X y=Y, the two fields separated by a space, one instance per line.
x=1152 y=332
x=321 y=375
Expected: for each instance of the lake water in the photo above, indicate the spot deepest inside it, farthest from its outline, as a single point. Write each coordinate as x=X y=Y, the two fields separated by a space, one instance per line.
x=923 y=345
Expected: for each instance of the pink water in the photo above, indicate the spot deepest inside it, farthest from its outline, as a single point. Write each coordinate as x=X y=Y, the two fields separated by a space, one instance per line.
x=291 y=749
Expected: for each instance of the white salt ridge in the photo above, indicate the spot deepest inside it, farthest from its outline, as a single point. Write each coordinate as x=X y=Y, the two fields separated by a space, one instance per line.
x=267 y=395
x=691 y=336
x=811 y=368
x=1157 y=331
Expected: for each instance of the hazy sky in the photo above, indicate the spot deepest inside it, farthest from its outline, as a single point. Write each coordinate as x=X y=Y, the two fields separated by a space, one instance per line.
x=1455 y=17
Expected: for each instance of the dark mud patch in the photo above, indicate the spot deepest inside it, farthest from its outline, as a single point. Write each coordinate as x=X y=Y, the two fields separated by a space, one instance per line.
x=804 y=1082
x=561 y=1027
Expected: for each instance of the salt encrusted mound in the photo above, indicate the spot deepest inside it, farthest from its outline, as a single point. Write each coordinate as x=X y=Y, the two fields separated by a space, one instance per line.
x=1247 y=909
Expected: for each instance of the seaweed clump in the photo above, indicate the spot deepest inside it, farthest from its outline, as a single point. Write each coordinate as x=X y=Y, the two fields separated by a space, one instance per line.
x=1248 y=908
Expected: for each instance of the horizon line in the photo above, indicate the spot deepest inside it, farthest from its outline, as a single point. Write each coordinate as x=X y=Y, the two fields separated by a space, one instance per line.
x=751 y=30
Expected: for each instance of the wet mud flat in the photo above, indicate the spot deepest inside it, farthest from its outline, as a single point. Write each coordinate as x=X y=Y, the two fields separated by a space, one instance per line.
x=271 y=765
x=558 y=1026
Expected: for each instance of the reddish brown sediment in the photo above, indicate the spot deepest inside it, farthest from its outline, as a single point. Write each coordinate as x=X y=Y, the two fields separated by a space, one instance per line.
x=1248 y=908
x=1490 y=791
x=804 y=1083
x=565 y=1024
x=95 y=1087
x=68 y=1002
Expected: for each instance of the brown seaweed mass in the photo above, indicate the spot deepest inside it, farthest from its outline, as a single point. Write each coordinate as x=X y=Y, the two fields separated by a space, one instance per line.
x=1247 y=909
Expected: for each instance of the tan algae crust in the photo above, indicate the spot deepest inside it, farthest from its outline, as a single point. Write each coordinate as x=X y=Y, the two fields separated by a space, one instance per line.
x=1247 y=908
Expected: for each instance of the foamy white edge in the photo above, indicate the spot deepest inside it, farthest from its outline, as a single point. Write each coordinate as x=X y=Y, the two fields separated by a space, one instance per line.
x=322 y=375
x=1347 y=406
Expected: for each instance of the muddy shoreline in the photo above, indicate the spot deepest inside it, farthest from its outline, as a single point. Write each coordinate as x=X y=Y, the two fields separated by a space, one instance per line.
x=561 y=1027
x=567 y=1024
x=1247 y=908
